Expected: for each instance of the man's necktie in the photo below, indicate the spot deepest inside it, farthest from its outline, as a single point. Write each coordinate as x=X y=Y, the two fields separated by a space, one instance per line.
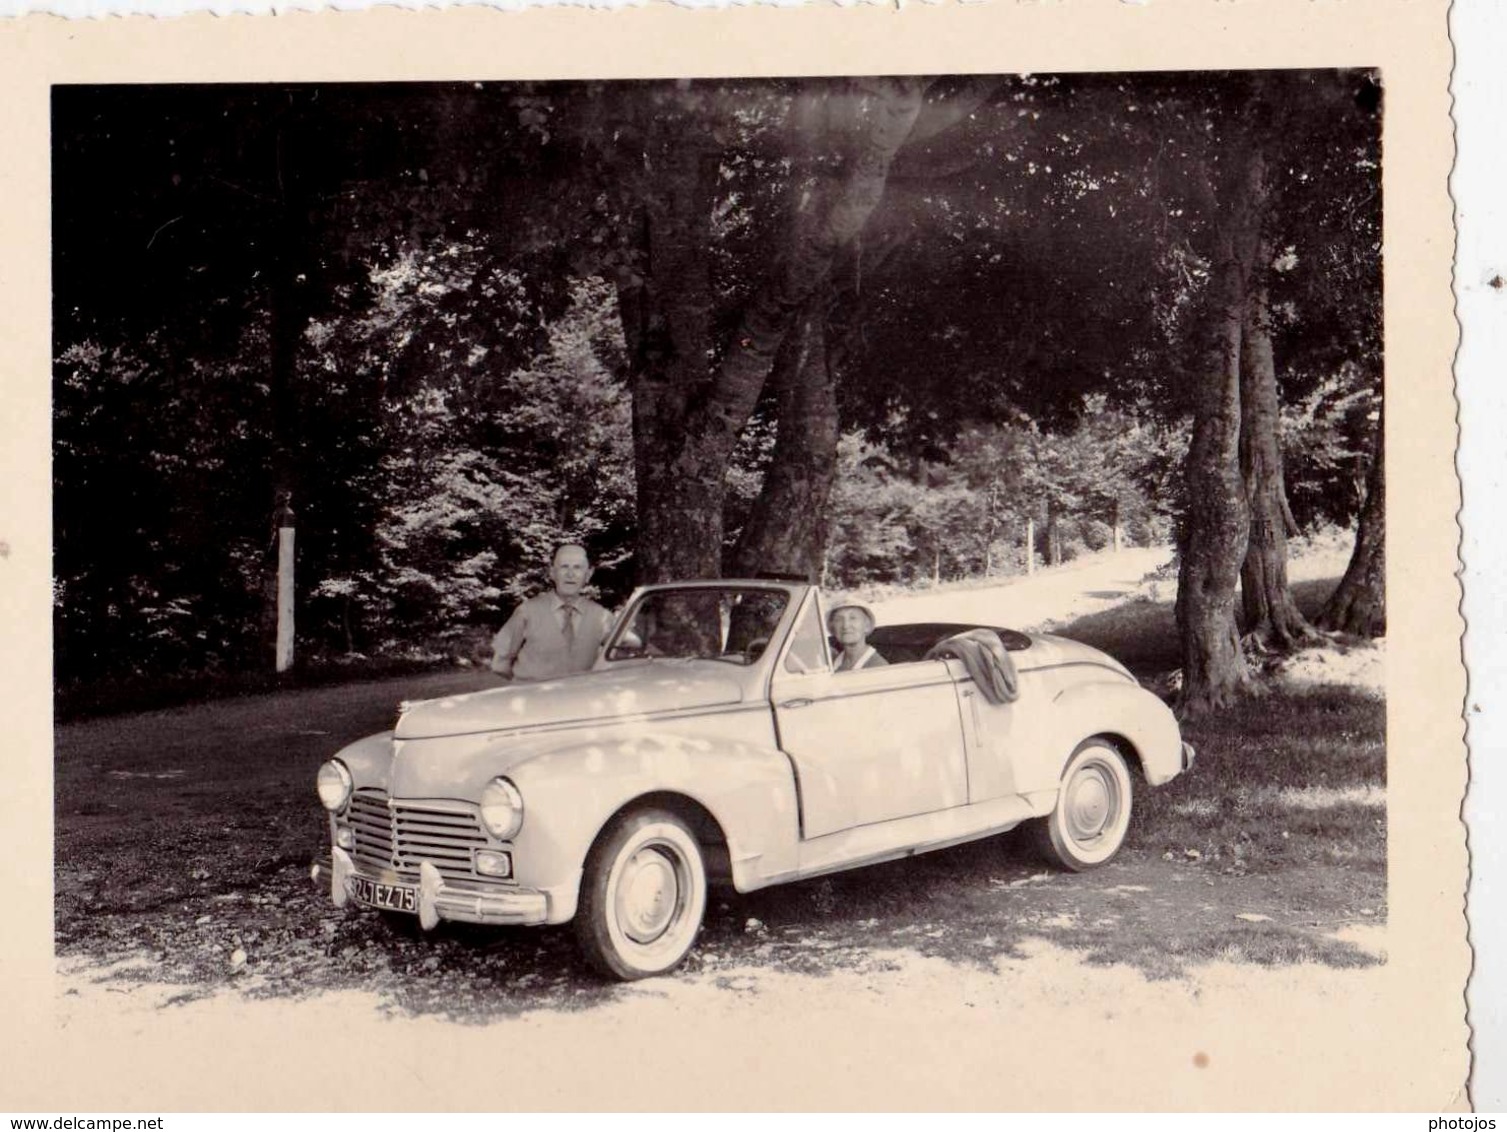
x=568 y=608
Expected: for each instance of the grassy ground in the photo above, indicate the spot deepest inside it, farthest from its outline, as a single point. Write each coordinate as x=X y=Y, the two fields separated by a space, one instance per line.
x=184 y=837
x=151 y=693
x=1295 y=776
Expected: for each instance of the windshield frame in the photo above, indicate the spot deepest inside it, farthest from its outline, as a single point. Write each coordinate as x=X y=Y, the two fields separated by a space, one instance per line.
x=815 y=601
x=791 y=595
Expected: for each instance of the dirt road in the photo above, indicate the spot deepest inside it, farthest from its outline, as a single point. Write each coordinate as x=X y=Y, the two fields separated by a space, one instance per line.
x=1035 y=1030
x=1037 y=601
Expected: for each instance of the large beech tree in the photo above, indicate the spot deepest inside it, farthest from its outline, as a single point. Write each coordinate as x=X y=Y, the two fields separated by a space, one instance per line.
x=693 y=395
x=1279 y=143
x=1217 y=526
x=1312 y=306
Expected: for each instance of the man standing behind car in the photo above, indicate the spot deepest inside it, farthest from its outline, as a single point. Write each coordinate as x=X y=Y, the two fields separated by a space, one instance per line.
x=556 y=633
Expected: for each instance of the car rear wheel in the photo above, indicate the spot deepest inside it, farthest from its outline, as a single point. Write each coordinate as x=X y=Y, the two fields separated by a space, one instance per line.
x=642 y=896
x=1087 y=826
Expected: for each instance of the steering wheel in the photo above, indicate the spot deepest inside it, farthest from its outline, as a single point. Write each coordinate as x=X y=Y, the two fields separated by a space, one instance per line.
x=755 y=649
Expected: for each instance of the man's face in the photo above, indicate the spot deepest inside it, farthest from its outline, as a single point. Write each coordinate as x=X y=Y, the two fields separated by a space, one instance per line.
x=571 y=571
x=850 y=627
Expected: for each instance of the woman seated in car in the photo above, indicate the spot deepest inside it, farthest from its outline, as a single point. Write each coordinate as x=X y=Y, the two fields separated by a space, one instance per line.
x=851 y=624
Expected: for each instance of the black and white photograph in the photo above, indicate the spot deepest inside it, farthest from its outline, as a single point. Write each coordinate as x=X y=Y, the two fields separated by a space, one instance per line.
x=690 y=578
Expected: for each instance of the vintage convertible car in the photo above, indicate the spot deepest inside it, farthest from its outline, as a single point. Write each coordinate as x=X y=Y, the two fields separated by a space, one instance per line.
x=713 y=744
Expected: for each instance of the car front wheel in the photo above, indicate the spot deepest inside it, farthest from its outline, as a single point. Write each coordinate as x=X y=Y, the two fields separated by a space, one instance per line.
x=1087 y=826
x=642 y=896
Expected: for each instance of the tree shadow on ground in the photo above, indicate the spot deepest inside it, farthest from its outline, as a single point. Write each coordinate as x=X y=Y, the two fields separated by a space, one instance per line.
x=1142 y=634
x=973 y=905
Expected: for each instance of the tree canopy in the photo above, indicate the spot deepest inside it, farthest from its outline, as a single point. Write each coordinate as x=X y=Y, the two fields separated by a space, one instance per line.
x=867 y=328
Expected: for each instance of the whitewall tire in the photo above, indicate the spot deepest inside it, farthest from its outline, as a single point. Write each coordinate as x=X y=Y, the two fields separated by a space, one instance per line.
x=643 y=895
x=1087 y=826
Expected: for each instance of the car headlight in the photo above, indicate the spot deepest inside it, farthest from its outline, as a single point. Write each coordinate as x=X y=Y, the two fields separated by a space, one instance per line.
x=502 y=809
x=334 y=785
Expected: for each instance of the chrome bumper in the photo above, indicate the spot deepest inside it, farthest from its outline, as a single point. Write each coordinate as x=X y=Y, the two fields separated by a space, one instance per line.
x=1189 y=754
x=439 y=901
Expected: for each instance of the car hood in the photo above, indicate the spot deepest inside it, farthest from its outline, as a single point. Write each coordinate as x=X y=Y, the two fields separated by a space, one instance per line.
x=635 y=689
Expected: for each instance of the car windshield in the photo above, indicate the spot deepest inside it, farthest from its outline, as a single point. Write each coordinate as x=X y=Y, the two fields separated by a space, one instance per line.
x=731 y=624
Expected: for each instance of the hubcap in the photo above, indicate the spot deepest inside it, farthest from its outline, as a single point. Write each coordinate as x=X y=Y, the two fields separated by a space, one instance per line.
x=648 y=895
x=1092 y=802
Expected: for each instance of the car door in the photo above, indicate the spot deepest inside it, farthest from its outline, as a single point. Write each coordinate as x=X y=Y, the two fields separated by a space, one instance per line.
x=993 y=737
x=869 y=745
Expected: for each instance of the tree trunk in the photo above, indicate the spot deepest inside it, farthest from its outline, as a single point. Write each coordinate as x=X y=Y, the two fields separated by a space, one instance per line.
x=786 y=533
x=1217 y=527
x=1272 y=619
x=1359 y=603
x=683 y=457
x=1218 y=520
x=666 y=316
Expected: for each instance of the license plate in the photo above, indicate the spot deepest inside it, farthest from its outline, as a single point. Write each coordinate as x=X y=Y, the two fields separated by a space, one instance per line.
x=395 y=896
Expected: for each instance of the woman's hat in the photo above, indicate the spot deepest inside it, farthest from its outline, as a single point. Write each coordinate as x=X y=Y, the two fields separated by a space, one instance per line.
x=865 y=610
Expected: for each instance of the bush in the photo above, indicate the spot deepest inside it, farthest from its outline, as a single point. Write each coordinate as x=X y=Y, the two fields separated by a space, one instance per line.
x=1097 y=535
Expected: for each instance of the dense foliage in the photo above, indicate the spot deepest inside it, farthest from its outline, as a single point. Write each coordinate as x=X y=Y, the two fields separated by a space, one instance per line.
x=969 y=515
x=453 y=325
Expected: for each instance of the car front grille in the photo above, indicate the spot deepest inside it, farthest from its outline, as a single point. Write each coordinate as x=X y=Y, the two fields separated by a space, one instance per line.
x=399 y=836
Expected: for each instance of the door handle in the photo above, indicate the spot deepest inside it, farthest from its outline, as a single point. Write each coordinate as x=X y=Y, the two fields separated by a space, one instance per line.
x=795 y=703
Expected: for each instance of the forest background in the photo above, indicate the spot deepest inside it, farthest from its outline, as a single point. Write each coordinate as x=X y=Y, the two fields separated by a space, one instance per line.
x=868 y=331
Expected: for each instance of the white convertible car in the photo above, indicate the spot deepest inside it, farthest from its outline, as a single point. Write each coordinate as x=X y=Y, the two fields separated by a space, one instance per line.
x=713 y=744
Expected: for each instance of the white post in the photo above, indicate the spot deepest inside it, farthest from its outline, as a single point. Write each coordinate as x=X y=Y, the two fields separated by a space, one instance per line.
x=1030 y=546
x=285 y=595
